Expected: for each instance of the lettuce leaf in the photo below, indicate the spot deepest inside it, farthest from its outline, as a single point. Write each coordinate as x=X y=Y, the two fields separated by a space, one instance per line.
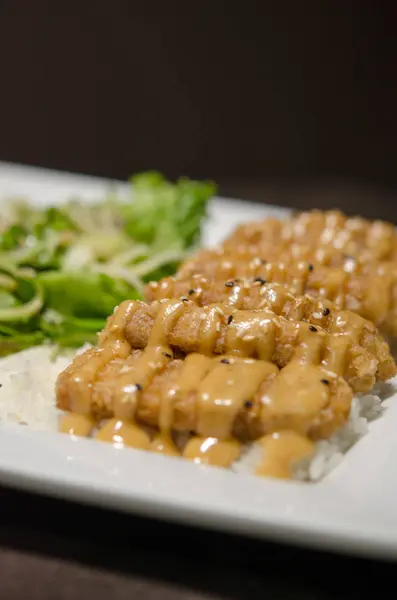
x=166 y=215
x=83 y=294
x=70 y=331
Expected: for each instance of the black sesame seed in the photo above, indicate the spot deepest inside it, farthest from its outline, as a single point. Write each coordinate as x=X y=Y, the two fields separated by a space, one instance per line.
x=248 y=404
x=225 y=361
x=312 y=328
x=263 y=261
x=325 y=381
x=229 y=319
x=310 y=267
x=184 y=299
x=167 y=355
x=138 y=386
x=260 y=280
x=229 y=283
x=191 y=292
x=326 y=312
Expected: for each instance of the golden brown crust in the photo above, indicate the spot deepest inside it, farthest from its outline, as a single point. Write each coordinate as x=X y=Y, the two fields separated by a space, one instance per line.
x=319 y=236
x=248 y=295
x=350 y=261
x=269 y=407
x=369 y=289
x=263 y=334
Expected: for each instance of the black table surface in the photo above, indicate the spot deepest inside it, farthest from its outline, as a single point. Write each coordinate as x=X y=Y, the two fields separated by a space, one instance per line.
x=51 y=549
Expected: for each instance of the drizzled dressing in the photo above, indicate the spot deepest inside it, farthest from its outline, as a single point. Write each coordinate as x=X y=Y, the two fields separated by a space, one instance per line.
x=75 y=424
x=222 y=387
x=211 y=451
x=281 y=452
x=164 y=444
x=337 y=275
x=112 y=344
x=265 y=335
x=193 y=370
x=124 y=433
x=221 y=395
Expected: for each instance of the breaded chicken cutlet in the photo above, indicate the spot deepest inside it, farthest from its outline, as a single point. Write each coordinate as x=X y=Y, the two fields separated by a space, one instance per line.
x=215 y=397
x=259 y=295
x=261 y=334
x=324 y=237
x=237 y=348
x=218 y=402
x=369 y=290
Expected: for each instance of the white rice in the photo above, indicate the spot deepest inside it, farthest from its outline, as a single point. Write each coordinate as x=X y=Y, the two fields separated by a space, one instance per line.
x=27 y=396
x=27 y=387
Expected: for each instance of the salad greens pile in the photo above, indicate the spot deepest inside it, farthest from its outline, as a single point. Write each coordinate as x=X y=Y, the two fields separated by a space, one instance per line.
x=64 y=269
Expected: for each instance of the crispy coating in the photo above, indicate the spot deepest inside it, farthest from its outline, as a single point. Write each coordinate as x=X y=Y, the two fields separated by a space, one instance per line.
x=324 y=237
x=350 y=261
x=254 y=295
x=368 y=289
x=260 y=334
x=267 y=333
x=261 y=405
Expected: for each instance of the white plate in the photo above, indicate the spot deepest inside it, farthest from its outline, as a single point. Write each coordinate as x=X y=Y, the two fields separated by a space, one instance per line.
x=353 y=510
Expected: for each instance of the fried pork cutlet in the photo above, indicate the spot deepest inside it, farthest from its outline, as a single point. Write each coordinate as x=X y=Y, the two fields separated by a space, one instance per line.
x=324 y=237
x=351 y=348
x=215 y=397
x=369 y=290
x=219 y=329
x=253 y=295
x=206 y=409
x=229 y=393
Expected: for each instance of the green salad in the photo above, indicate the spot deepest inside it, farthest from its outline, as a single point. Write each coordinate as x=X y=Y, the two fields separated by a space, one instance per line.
x=64 y=269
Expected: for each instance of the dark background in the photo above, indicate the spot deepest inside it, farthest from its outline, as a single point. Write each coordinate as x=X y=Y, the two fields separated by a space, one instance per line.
x=289 y=101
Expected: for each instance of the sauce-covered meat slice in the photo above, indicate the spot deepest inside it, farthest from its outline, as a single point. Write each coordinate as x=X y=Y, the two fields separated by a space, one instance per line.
x=320 y=236
x=258 y=294
x=220 y=398
x=220 y=329
x=368 y=289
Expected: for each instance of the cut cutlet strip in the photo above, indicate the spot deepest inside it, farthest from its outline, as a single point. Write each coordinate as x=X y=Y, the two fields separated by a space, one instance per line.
x=75 y=385
x=222 y=396
x=319 y=236
x=257 y=294
x=368 y=289
x=251 y=334
x=75 y=381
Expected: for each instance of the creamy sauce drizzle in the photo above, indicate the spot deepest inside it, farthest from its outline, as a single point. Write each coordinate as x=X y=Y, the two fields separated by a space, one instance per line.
x=218 y=389
x=192 y=372
x=222 y=393
x=163 y=444
x=74 y=424
x=281 y=451
x=153 y=360
x=335 y=354
x=210 y=329
x=295 y=398
x=124 y=433
x=210 y=451
x=112 y=344
x=252 y=333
